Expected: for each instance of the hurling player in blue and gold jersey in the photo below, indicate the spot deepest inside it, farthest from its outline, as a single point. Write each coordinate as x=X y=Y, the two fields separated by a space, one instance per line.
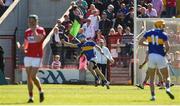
x=158 y=46
x=87 y=48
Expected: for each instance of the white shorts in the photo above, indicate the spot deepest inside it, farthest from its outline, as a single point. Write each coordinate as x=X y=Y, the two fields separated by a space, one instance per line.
x=156 y=61
x=32 y=62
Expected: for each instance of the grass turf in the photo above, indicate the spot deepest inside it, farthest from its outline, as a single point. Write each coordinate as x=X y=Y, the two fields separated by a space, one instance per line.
x=87 y=95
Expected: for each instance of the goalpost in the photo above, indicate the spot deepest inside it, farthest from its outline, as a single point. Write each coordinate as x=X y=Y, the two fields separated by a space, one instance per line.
x=139 y=52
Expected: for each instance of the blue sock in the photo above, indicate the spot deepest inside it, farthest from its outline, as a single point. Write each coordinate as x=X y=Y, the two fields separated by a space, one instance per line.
x=167 y=85
x=96 y=78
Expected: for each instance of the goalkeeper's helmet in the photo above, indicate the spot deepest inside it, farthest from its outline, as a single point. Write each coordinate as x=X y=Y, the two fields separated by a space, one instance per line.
x=159 y=24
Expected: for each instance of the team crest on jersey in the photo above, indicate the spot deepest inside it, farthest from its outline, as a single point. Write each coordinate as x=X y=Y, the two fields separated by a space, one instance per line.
x=31 y=39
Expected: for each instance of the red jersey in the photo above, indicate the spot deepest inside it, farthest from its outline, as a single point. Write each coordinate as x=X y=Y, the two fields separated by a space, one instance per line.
x=171 y=3
x=34 y=48
x=113 y=39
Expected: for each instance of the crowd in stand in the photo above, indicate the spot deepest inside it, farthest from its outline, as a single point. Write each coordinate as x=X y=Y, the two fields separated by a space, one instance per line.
x=173 y=34
x=4 y=4
x=156 y=8
x=110 y=20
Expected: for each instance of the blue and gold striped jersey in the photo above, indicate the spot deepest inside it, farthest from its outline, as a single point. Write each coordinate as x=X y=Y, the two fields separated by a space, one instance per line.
x=156 y=39
x=88 y=49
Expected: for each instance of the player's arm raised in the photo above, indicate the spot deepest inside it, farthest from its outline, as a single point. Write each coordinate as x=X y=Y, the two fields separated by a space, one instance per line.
x=69 y=44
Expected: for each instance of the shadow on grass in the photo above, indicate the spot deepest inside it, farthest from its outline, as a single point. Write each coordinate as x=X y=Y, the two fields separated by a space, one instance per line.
x=141 y=101
x=18 y=103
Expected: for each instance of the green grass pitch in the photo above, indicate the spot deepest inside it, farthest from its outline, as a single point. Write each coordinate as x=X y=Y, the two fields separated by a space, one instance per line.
x=87 y=95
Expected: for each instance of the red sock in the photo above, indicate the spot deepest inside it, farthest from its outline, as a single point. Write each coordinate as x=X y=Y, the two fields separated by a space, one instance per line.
x=162 y=83
x=145 y=83
x=30 y=94
x=40 y=89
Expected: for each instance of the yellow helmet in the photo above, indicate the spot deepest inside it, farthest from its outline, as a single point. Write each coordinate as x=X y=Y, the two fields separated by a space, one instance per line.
x=159 y=24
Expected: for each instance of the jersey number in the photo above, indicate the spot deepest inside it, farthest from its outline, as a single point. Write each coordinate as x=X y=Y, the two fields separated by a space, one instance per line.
x=154 y=40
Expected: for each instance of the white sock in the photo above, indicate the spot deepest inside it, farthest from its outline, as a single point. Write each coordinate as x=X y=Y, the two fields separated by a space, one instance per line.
x=168 y=89
x=41 y=91
x=31 y=97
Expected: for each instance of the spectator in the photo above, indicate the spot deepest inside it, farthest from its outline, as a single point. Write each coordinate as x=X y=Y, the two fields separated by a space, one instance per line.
x=116 y=4
x=105 y=25
x=89 y=31
x=127 y=47
x=4 y=6
x=8 y=3
x=102 y=61
x=57 y=47
x=89 y=2
x=1 y=59
x=66 y=23
x=99 y=36
x=164 y=12
x=92 y=8
x=75 y=13
x=81 y=32
x=95 y=18
x=119 y=32
x=1 y=2
x=99 y=5
x=143 y=3
x=143 y=13
x=56 y=64
x=78 y=15
x=112 y=32
x=60 y=26
x=83 y=6
x=123 y=8
x=151 y=12
x=158 y=5
x=109 y=12
x=71 y=13
x=171 y=8
x=105 y=4
x=1 y=8
x=110 y=41
x=113 y=39
x=139 y=10
x=162 y=8
x=82 y=67
x=128 y=36
x=120 y=17
x=129 y=19
x=56 y=42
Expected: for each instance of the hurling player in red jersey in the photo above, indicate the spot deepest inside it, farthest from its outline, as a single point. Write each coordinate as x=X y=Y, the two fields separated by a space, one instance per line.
x=34 y=37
